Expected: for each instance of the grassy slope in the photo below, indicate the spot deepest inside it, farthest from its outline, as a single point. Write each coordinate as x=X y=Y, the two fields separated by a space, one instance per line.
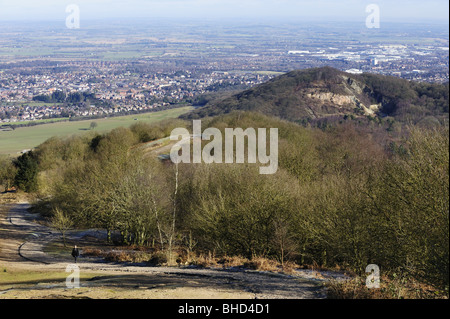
x=12 y=142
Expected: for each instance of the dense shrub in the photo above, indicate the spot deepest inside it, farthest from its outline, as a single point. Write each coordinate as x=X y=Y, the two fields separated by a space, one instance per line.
x=348 y=195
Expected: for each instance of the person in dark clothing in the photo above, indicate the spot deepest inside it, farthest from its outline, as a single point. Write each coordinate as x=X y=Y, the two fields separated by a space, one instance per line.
x=75 y=253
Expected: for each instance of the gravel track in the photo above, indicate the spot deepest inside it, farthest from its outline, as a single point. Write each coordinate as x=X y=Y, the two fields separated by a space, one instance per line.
x=24 y=250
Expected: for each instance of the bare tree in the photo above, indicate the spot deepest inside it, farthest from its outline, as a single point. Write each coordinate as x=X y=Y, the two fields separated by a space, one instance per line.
x=61 y=222
x=171 y=233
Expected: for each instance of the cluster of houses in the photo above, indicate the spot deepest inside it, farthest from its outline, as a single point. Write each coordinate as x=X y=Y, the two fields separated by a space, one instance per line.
x=114 y=91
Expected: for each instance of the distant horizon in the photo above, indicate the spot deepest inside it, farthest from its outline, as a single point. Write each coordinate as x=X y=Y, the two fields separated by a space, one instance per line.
x=226 y=21
x=401 y=11
x=261 y=20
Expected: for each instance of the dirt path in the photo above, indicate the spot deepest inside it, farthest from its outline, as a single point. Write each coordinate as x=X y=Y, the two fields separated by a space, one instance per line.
x=21 y=249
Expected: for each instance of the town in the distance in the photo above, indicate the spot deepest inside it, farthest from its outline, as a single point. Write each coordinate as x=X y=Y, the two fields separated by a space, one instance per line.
x=55 y=72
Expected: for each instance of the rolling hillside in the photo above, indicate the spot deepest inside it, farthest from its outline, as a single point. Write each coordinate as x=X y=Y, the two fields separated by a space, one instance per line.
x=326 y=93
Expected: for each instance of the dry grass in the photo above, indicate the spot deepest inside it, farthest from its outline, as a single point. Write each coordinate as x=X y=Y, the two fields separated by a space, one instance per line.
x=205 y=261
x=14 y=197
x=229 y=262
x=133 y=254
x=289 y=267
x=262 y=264
x=390 y=288
x=256 y=263
x=118 y=255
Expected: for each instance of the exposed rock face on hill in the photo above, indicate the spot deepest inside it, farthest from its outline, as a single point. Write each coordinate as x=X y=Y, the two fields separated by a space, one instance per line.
x=326 y=92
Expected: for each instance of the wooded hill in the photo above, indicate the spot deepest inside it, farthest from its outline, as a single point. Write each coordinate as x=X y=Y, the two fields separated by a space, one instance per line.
x=318 y=94
x=345 y=196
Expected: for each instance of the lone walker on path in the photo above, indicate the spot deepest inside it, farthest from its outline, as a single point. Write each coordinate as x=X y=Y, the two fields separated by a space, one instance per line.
x=75 y=253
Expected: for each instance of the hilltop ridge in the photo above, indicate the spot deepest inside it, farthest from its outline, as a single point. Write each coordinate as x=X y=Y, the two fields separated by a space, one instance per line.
x=318 y=93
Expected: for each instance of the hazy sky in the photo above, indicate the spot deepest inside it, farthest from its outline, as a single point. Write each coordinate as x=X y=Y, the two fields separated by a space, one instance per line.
x=322 y=10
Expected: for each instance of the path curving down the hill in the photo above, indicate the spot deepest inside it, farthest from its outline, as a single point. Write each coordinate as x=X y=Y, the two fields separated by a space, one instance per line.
x=22 y=240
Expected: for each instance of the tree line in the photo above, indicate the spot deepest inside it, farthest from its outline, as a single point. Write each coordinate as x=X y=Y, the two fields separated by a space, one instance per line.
x=59 y=96
x=347 y=196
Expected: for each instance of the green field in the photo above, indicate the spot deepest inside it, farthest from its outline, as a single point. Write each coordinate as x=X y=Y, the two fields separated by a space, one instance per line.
x=23 y=138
